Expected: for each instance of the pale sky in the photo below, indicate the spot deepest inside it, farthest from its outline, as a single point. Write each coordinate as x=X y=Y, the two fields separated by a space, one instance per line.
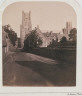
x=48 y=15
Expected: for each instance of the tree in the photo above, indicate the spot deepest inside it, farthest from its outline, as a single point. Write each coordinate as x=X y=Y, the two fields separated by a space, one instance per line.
x=33 y=40
x=11 y=34
x=63 y=41
x=53 y=44
x=72 y=35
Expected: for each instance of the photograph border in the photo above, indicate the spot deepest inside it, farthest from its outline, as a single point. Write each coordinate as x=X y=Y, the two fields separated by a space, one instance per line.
x=78 y=88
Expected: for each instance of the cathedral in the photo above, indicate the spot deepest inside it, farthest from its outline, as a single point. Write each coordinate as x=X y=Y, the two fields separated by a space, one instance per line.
x=47 y=37
x=26 y=28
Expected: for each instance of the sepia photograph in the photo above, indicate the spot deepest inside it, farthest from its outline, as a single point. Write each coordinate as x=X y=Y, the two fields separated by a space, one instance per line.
x=39 y=44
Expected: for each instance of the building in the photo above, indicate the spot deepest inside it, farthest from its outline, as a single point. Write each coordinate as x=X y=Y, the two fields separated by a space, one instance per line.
x=64 y=31
x=47 y=37
x=25 y=27
x=68 y=27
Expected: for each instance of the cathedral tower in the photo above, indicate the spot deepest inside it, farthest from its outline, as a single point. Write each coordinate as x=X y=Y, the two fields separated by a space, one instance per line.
x=68 y=27
x=25 y=27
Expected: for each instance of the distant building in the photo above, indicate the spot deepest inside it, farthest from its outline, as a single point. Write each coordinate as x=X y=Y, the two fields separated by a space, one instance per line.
x=49 y=37
x=68 y=27
x=54 y=36
x=25 y=27
x=64 y=31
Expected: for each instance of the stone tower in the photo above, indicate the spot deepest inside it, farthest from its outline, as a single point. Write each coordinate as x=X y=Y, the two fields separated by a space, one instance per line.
x=68 y=27
x=25 y=27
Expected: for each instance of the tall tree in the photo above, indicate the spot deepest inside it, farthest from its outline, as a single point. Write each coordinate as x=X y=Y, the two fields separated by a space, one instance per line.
x=33 y=40
x=11 y=34
x=63 y=41
x=72 y=35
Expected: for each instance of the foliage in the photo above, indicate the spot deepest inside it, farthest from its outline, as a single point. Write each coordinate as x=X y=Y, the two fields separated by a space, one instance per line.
x=11 y=34
x=53 y=44
x=33 y=40
x=72 y=35
x=63 y=41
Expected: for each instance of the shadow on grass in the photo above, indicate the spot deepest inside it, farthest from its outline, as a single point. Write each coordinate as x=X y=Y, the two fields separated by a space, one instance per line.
x=56 y=74
x=65 y=55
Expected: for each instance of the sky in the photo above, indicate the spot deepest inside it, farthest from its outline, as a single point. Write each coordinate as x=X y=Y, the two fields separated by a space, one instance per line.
x=48 y=15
